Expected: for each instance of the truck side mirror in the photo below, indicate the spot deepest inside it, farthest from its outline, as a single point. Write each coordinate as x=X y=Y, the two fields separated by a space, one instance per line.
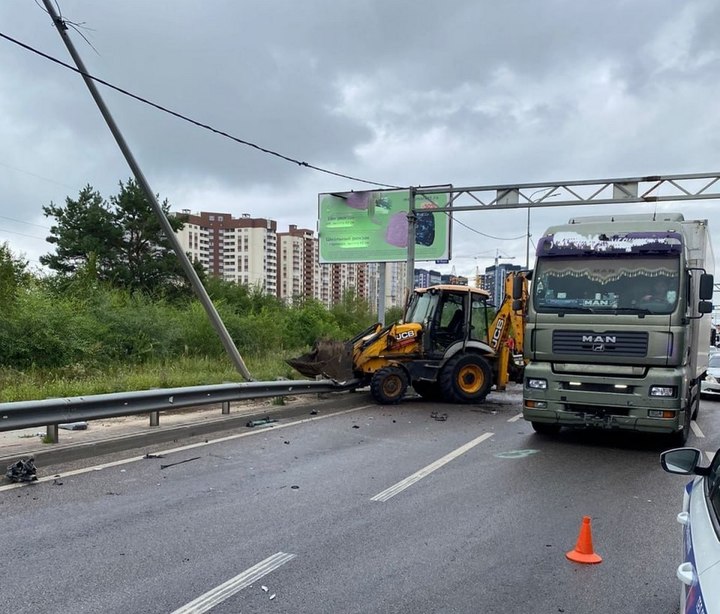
x=705 y=307
x=706 y=287
x=517 y=288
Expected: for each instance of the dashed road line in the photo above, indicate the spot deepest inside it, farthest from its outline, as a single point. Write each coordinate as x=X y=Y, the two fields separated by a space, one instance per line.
x=515 y=418
x=209 y=600
x=419 y=475
x=696 y=429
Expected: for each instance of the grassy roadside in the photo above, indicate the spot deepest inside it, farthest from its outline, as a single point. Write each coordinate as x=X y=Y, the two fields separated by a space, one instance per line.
x=79 y=380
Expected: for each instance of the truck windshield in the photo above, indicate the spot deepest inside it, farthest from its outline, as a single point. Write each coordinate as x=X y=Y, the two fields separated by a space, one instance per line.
x=643 y=285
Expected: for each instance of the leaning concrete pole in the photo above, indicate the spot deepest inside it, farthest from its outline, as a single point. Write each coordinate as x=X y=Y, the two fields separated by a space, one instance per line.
x=142 y=182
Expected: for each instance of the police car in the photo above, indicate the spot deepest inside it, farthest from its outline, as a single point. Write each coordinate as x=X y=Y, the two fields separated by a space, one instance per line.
x=699 y=571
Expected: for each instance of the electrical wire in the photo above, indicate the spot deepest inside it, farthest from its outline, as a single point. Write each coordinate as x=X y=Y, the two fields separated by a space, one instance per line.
x=195 y=122
x=225 y=134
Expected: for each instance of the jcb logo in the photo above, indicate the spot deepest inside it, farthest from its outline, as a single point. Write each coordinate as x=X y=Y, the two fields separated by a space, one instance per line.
x=498 y=331
x=408 y=334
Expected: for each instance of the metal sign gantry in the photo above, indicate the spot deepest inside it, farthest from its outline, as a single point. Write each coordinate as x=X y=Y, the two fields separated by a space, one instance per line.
x=647 y=189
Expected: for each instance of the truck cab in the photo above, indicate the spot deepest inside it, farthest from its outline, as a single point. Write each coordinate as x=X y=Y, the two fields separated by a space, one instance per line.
x=618 y=324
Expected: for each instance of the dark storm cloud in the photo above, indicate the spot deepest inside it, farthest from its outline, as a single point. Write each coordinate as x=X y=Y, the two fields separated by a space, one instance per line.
x=395 y=91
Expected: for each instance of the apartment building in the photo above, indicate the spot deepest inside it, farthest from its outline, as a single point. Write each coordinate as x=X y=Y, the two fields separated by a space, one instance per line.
x=241 y=250
x=298 y=268
x=250 y=251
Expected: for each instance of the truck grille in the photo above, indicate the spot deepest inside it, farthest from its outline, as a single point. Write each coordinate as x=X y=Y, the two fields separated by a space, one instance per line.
x=624 y=343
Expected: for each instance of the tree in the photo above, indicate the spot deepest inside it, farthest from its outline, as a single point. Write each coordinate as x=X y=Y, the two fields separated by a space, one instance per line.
x=120 y=242
x=13 y=274
x=150 y=264
x=85 y=235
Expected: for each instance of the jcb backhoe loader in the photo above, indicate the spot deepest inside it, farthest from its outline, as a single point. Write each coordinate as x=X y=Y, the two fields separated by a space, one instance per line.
x=448 y=346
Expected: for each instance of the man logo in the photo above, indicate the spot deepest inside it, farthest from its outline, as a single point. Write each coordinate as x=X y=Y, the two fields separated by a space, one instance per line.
x=599 y=339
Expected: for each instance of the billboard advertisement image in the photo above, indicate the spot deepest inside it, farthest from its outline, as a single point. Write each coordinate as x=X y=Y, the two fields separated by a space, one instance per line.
x=372 y=226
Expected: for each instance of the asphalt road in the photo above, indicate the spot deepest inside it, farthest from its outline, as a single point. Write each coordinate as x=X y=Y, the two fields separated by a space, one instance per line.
x=372 y=509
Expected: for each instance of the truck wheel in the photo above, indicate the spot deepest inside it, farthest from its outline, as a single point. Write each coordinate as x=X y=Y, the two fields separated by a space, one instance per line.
x=429 y=391
x=696 y=405
x=466 y=378
x=546 y=428
x=388 y=385
x=678 y=439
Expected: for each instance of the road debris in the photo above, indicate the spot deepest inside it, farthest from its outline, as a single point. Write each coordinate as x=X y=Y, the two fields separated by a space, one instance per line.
x=264 y=588
x=187 y=460
x=22 y=471
x=74 y=426
x=438 y=416
x=261 y=422
x=148 y=455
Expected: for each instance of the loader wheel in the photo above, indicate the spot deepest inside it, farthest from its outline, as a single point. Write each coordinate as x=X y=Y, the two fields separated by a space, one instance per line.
x=466 y=378
x=388 y=385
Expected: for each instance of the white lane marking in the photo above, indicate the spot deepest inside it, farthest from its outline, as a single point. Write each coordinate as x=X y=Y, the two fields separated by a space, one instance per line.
x=515 y=418
x=234 y=585
x=710 y=455
x=191 y=446
x=415 y=477
x=696 y=429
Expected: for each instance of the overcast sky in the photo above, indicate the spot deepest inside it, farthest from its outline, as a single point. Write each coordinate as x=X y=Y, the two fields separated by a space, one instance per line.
x=467 y=92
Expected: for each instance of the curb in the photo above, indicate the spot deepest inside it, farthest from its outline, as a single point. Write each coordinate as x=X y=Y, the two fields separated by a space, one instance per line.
x=48 y=454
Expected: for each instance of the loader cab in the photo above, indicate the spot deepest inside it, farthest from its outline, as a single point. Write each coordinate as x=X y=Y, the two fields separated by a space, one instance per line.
x=449 y=314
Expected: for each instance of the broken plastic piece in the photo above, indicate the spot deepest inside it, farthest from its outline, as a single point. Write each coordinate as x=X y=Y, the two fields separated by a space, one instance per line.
x=22 y=471
x=260 y=422
x=74 y=426
x=265 y=588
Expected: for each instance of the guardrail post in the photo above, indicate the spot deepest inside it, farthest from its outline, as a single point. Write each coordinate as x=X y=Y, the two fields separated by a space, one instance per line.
x=225 y=407
x=154 y=418
x=51 y=434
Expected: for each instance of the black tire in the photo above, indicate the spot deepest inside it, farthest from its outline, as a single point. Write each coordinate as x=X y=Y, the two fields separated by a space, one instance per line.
x=546 y=428
x=696 y=405
x=466 y=378
x=429 y=391
x=678 y=439
x=388 y=385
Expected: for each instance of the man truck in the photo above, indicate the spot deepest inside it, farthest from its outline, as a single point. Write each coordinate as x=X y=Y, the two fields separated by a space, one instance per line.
x=618 y=324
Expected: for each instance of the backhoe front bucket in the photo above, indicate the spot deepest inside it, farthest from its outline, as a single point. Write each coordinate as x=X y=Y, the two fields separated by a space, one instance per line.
x=330 y=359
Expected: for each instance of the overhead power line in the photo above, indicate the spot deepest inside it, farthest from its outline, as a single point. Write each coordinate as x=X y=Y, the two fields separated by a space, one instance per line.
x=195 y=122
x=223 y=133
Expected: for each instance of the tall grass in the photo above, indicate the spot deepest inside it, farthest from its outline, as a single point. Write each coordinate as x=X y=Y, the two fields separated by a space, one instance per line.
x=94 y=340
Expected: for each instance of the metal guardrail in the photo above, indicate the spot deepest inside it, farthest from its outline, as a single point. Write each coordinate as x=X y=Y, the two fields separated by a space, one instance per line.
x=51 y=412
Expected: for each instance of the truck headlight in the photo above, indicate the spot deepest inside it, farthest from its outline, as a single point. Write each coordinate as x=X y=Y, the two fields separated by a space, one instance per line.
x=537 y=384
x=662 y=391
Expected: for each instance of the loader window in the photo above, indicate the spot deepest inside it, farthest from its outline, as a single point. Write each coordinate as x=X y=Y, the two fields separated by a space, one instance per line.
x=479 y=321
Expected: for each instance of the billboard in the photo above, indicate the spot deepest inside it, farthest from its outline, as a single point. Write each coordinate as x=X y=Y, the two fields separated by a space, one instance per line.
x=372 y=226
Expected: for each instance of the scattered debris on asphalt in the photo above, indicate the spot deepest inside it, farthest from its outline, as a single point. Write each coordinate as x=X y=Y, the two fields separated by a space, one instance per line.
x=74 y=426
x=22 y=471
x=187 y=460
x=314 y=412
x=438 y=416
x=261 y=422
x=264 y=588
x=57 y=483
x=294 y=487
x=355 y=426
x=154 y=456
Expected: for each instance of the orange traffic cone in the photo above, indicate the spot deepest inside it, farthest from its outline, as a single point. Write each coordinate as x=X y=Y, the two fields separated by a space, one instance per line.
x=583 y=552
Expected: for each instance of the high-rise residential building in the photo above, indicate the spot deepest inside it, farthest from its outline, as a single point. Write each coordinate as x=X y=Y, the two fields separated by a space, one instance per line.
x=494 y=280
x=298 y=269
x=425 y=278
x=250 y=251
x=241 y=250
